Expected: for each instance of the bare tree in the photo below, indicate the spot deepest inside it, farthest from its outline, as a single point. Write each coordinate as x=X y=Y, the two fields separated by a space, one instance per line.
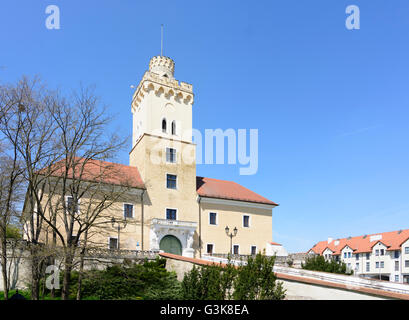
x=62 y=144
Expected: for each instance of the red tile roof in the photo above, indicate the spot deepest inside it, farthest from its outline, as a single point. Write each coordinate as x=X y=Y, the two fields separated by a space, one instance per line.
x=392 y=240
x=100 y=171
x=221 y=189
x=275 y=244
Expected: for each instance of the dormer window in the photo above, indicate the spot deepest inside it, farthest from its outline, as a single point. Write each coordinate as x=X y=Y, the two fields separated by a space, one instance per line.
x=164 y=125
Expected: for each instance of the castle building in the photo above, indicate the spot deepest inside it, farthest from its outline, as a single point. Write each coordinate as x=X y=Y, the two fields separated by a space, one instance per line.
x=382 y=256
x=169 y=207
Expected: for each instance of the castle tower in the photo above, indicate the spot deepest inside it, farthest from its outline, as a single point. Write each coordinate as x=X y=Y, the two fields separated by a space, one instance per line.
x=163 y=151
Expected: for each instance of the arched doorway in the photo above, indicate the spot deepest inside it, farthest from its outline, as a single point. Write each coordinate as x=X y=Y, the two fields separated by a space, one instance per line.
x=171 y=244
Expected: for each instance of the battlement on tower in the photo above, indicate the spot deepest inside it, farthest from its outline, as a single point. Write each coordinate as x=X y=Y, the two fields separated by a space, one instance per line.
x=160 y=79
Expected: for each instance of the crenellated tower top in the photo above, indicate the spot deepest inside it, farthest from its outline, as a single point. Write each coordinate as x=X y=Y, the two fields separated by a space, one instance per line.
x=163 y=66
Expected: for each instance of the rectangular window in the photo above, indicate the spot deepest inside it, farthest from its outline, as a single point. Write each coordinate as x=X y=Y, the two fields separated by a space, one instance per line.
x=74 y=240
x=171 y=181
x=209 y=248
x=396 y=265
x=236 y=249
x=128 y=211
x=407 y=250
x=367 y=256
x=357 y=256
x=170 y=155
x=367 y=267
x=349 y=254
x=396 y=278
x=377 y=265
x=382 y=264
x=171 y=214
x=406 y=263
x=246 y=221
x=357 y=267
x=70 y=205
x=376 y=252
x=253 y=250
x=396 y=254
x=212 y=218
x=382 y=252
x=345 y=255
x=113 y=243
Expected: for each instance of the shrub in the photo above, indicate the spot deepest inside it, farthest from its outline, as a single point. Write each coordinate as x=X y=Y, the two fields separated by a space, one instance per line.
x=255 y=280
x=319 y=263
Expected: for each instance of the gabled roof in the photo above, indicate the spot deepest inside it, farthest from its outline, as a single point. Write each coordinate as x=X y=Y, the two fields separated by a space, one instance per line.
x=221 y=189
x=392 y=240
x=98 y=171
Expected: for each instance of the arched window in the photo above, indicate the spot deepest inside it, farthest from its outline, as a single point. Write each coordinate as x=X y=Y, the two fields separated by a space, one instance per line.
x=164 y=125
x=174 y=127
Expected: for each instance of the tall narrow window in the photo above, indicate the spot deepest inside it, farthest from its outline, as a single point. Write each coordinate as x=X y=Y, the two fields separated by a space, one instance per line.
x=212 y=218
x=113 y=243
x=128 y=211
x=171 y=181
x=164 y=125
x=71 y=207
x=253 y=250
x=171 y=155
x=173 y=127
x=209 y=248
x=236 y=249
x=246 y=221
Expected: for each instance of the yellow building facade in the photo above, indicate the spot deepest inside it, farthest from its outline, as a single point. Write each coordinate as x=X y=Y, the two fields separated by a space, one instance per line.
x=171 y=208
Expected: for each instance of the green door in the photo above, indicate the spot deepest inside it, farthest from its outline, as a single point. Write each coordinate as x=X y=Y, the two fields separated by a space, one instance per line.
x=171 y=244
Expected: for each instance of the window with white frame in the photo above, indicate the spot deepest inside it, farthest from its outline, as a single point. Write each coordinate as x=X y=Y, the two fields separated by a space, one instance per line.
x=213 y=218
x=171 y=214
x=171 y=181
x=382 y=264
x=368 y=255
x=209 y=248
x=246 y=221
x=406 y=263
x=368 y=266
x=382 y=252
x=170 y=155
x=396 y=265
x=406 y=250
x=71 y=207
x=377 y=265
x=253 y=250
x=377 y=252
x=396 y=254
x=397 y=278
x=113 y=243
x=128 y=211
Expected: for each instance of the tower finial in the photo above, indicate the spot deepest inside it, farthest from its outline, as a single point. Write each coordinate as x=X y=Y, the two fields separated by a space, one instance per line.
x=161 y=40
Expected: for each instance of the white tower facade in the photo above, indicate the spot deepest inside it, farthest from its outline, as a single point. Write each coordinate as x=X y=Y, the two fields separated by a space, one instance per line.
x=161 y=105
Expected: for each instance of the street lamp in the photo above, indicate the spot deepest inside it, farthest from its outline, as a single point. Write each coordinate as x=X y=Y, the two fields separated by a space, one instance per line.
x=231 y=235
x=119 y=225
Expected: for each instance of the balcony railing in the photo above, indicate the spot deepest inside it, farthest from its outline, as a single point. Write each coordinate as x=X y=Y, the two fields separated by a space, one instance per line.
x=174 y=223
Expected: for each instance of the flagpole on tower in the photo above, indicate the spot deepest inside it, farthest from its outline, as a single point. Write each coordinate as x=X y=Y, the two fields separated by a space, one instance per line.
x=161 y=40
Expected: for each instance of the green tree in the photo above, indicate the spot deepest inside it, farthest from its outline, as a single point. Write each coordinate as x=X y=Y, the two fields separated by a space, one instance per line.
x=256 y=280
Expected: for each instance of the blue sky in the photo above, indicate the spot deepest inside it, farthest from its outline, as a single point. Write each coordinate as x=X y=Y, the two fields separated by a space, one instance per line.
x=331 y=105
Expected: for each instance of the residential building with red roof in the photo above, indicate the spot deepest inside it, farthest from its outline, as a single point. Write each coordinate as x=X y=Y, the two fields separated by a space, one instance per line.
x=382 y=256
